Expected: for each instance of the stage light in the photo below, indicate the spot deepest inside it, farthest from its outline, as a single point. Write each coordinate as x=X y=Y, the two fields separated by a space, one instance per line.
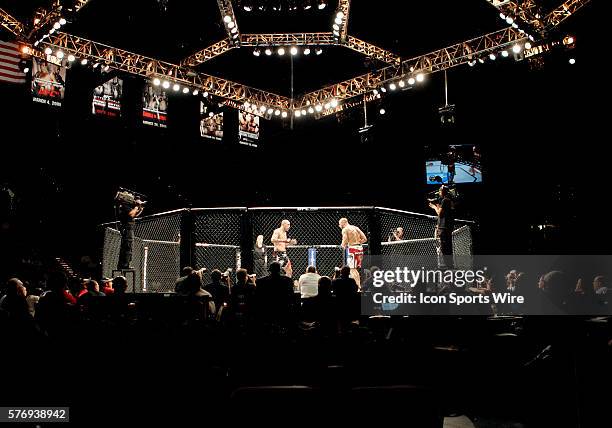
x=480 y=60
x=195 y=92
x=48 y=51
x=210 y=114
x=185 y=90
x=471 y=63
x=298 y=113
x=227 y=19
x=25 y=50
x=411 y=81
x=527 y=45
x=392 y=86
x=26 y=70
x=247 y=104
x=517 y=48
x=235 y=36
x=230 y=24
x=420 y=77
x=276 y=112
x=401 y=84
x=509 y=20
x=270 y=111
x=375 y=91
x=106 y=67
x=71 y=58
x=268 y=51
x=166 y=84
x=334 y=103
x=322 y=5
x=515 y=25
x=383 y=89
x=205 y=94
x=257 y=52
x=84 y=61
x=310 y=110
x=37 y=21
x=284 y=114
x=248 y=8
x=338 y=21
x=340 y=15
x=281 y=51
x=318 y=107
x=62 y=21
x=56 y=26
x=308 y=5
x=327 y=106
x=318 y=51
x=502 y=16
x=307 y=51
x=59 y=54
x=294 y=50
x=572 y=61
x=303 y=112
x=569 y=40
x=37 y=42
x=262 y=109
x=504 y=53
x=382 y=111
x=492 y=57
x=336 y=27
x=336 y=33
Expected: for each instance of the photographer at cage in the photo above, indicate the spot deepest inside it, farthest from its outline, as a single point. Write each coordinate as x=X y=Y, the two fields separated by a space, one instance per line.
x=444 y=227
x=126 y=214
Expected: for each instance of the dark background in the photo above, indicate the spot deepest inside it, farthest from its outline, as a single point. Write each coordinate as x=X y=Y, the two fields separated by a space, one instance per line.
x=542 y=132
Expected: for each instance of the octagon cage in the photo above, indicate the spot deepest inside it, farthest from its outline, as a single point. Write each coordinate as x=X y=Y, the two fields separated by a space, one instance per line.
x=225 y=239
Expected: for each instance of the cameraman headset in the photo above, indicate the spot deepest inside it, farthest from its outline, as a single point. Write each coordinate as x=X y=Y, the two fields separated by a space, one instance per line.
x=444 y=227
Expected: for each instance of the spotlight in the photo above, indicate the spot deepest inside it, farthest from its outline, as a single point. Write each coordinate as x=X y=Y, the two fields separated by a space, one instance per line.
x=48 y=51
x=318 y=51
x=257 y=52
x=420 y=77
x=284 y=114
x=298 y=113
x=195 y=92
x=509 y=20
x=471 y=63
x=382 y=111
x=270 y=111
x=210 y=114
x=37 y=42
x=340 y=15
x=96 y=65
x=502 y=16
x=262 y=109
x=56 y=26
x=411 y=81
x=401 y=84
x=227 y=19
x=205 y=94
x=322 y=5
x=276 y=112
x=156 y=81
x=527 y=45
x=310 y=110
x=25 y=50
x=336 y=27
x=515 y=25
x=303 y=112
x=336 y=33
x=71 y=58
x=327 y=106
x=569 y=40
x=230 y=24
x=307 y=5
x=248 y=8
x=492 y=57
x=307 y=51
x=26 y=70
x=319 y=107
x=572 y=61
x=106 y=67
x=166 y=84
x=62 y=21
x=59 y=54
x=480 y=60
x=504 y=53
x=392 y=86
x=37 y=21
x=268 y=51
x=383 y=89
x=517 y=48
x=334 y=103
x=51 y=31
x=294 y=50
x=281 y=51
x=185 y=90
x=247 y=104
x=375 y=91
x=84 y=61
x=338 y=21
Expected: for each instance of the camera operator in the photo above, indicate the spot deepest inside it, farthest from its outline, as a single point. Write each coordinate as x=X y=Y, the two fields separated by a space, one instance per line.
x=444 y=227
x=127 y=215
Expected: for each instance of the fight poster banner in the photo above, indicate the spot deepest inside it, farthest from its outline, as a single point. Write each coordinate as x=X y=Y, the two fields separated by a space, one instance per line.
x=211 y=123
x=155 y=106
x=248 y=129
x=107 y=98
x=48 y=81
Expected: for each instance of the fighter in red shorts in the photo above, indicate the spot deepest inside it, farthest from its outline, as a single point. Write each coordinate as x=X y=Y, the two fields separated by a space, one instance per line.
x=352 y=240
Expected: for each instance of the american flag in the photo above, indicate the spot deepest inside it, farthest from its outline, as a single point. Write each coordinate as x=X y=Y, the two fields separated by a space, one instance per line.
x=10 y=58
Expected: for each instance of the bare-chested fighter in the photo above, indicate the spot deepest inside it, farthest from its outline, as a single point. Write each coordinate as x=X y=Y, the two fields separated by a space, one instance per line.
x=352 y=238
x=280 y=242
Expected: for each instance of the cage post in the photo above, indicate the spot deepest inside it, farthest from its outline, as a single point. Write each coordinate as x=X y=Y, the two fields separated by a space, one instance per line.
x=246 y=241
x=375 y=231
x=186 y=249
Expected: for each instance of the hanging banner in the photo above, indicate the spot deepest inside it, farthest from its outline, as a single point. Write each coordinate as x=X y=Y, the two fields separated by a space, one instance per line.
x=155 y=106
x=107 y=98
x=211 y=123
x=48 y=81
x=248 y=129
